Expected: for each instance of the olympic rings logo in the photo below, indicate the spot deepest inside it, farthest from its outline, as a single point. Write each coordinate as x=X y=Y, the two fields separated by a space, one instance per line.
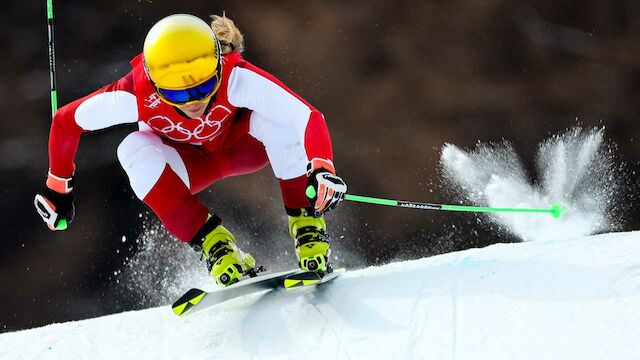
x=188 y=130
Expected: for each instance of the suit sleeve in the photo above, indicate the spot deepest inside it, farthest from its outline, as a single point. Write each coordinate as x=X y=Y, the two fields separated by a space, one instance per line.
x=111 y=105
x=252 y=88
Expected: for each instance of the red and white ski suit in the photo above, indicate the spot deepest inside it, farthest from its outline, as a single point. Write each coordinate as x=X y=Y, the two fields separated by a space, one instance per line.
x=253 y=120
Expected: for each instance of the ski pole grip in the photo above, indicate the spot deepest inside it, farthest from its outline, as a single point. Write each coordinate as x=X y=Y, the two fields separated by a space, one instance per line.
x=310 y=192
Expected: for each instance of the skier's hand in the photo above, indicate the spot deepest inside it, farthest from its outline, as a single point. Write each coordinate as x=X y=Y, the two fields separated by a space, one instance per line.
x=55 y=202
x=325 y=189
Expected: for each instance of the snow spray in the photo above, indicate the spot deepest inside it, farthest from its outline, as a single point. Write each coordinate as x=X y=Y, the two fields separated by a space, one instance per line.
x=576 y=169
x=162 y=268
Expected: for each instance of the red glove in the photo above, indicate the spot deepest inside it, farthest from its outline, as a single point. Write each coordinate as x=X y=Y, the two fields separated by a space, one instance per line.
x=325 y=189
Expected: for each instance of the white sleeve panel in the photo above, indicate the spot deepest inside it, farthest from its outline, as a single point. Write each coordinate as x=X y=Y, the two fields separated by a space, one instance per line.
x=279 y=120
x=107 y=109
x=283 y=144
x=144 y=156
x=250 y=90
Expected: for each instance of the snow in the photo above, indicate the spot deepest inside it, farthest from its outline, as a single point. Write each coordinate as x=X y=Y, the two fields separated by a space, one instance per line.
x=563 y=299
x=576 y=169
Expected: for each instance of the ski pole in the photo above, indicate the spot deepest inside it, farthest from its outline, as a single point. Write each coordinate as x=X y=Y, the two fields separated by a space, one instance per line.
x=52 y=77
x=52 y=59
x=555 y=210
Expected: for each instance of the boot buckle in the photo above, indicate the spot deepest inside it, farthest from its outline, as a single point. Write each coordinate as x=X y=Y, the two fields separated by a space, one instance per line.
x=317 y=263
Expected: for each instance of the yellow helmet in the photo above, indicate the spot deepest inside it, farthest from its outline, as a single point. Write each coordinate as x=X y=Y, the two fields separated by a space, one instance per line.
x=180 y=52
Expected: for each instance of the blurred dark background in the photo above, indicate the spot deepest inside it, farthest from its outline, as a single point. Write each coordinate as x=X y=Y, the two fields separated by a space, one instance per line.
x=395 y=80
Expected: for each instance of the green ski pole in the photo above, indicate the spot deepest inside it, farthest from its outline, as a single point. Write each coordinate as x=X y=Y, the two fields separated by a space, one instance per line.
x=52 y=76
x=555 y=210
x=52 y=59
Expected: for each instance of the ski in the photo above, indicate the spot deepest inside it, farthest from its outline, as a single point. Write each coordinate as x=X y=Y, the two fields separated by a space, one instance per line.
x=309 y=278
x=196 y=300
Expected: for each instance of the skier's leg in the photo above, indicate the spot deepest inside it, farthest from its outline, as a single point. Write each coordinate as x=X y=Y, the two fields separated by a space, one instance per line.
x=289 y=160
x=159 y=177
x=241 y=154
x=164 y=176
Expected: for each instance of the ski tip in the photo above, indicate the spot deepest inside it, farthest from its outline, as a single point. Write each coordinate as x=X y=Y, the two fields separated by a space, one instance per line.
x=556 y=210
x=191 y=298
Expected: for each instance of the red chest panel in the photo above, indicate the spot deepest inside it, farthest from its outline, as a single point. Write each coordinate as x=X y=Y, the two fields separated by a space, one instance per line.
x=165 y=120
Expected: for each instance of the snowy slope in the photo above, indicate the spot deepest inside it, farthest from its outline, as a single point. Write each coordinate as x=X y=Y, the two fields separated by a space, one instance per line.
x=575 y=299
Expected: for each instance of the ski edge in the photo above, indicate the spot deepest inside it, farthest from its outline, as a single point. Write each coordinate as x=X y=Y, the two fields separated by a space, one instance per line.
x=187 y=303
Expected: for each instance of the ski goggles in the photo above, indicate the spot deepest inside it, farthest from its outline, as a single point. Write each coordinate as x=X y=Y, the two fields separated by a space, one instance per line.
x=199 y=92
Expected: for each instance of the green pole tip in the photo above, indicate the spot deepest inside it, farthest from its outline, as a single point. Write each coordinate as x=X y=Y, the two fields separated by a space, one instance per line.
x=311 y=192
x=62 y=225
x=556 y=210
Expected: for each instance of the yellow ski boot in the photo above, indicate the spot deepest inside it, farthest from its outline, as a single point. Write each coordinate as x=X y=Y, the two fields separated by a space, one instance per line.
x=225 y=261
x=311 y=240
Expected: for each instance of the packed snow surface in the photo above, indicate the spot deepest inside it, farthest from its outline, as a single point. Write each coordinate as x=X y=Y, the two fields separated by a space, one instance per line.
x=571 y=299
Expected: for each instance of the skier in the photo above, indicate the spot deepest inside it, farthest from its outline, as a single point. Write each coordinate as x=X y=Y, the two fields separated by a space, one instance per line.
x=204 y=113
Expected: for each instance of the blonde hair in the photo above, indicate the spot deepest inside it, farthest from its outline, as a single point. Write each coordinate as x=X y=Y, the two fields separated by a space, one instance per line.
x=229 y=35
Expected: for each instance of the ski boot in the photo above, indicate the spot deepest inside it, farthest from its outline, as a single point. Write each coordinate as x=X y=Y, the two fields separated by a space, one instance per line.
x=311 y=240
x=225 y=261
